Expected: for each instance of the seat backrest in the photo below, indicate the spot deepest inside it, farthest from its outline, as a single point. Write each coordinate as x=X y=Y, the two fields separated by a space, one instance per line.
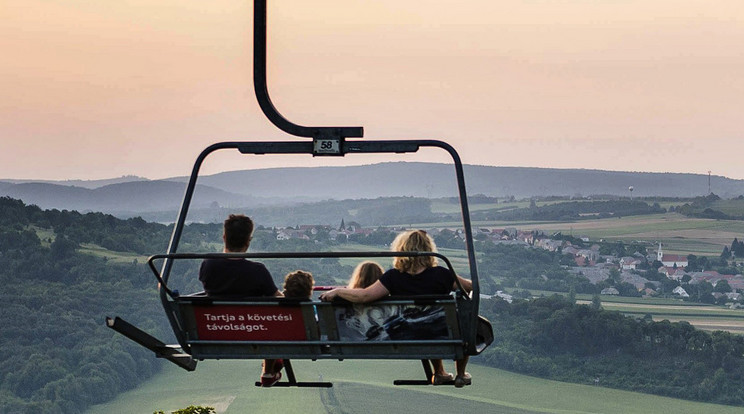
x=249 y=323
x=397 y=328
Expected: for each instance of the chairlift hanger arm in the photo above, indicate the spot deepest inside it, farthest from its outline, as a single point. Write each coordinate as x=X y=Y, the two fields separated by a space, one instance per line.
x=262 y=91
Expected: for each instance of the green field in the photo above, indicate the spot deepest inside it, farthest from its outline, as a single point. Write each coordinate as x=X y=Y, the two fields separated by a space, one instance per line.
x=117 y=257
x=366 y=387
x=706 y=317
x=45 y=235
x=733 y=207
x=679 y=234
x=447 y=206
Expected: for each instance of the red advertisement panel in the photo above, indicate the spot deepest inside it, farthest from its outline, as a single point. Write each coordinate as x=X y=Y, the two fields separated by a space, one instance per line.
x=249 y=323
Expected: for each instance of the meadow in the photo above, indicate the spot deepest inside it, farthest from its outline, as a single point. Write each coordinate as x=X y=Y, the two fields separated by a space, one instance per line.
x=679 y=234
x=116 y=257
x=705 y=317
x=366 y=386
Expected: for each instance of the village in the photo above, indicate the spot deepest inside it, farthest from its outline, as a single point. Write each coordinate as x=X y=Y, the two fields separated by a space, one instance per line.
x=583 y=257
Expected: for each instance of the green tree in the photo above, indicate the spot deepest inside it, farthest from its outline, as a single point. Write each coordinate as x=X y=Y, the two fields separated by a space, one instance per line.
x=62 y=247
x=722 y=287
x=737 y=248
x=596 y=302
x=572 y=294
x=668 y=285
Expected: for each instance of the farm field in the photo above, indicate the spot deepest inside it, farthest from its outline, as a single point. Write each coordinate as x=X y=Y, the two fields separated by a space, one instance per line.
x=733 y=207
x=366 y=386
x=705 y=317
x=117 y=257
x=449 y=207
x=679 y=234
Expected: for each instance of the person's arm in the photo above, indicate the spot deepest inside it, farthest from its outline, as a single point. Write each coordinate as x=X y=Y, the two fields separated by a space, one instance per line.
x=466 y=284
x=368 y=294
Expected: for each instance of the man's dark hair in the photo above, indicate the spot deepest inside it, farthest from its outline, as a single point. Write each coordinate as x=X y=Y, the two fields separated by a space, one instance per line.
x=238 y=232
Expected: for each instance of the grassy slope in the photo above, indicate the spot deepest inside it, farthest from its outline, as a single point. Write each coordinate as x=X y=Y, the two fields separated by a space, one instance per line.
x=680 y=234
x=704 y=317
x=700 y=315
x=366 y=386
x=117 y=257
x=733 y=207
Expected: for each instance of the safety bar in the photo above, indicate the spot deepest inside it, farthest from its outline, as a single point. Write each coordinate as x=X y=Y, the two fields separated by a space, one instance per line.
x=294 y=255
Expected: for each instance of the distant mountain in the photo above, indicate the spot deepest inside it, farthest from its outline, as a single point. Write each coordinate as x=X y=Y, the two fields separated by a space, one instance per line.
x=438 y=180
x=90 y=184
x=125 y=199
x=251 y=188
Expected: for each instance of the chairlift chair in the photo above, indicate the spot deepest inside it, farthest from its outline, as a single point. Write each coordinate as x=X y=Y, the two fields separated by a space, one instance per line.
x=418 y=328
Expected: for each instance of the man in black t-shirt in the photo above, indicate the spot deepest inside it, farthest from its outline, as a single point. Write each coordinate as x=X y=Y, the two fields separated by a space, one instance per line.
x=238 y=277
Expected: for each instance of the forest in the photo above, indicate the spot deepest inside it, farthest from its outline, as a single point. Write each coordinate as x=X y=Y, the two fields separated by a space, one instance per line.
x=58 y=357
x=552 y=337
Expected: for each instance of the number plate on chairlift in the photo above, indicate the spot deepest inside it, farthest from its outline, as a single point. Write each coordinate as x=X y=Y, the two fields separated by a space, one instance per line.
x=326 y=147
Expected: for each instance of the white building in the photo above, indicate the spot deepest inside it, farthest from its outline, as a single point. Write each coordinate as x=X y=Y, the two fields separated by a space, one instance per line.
x=681 y=292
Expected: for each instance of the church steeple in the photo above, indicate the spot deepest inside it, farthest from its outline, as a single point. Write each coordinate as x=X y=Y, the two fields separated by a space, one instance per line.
x=343 y=226
x=659 y=254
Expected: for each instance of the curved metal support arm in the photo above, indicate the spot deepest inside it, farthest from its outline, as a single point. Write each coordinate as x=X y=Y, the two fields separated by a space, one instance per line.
x=262 y=92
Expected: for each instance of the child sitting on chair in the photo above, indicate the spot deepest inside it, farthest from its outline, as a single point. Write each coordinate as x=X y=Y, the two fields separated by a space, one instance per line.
x=365 y=274
x=298 y=284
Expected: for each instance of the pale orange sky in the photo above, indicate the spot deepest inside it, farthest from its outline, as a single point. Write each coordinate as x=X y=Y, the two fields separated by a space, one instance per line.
x=99 y=89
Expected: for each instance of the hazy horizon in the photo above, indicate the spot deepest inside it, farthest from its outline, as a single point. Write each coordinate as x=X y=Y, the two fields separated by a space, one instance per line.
x=124 y=176
x=93 y=90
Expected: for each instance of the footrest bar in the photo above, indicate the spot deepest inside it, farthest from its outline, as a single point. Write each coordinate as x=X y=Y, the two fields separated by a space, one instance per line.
x=300 y=384
x=413 y=382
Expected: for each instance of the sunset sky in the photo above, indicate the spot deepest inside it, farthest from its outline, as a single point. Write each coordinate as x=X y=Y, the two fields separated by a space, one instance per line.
x=100 y=89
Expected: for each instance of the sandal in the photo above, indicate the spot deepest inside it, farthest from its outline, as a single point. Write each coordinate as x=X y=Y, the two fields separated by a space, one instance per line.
x=278 y=365
x=437 y=379
x=267 y=380
x=463 y=380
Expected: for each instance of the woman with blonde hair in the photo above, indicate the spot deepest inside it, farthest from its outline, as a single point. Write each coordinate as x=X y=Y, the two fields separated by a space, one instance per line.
x=365 y=274
x=418 y=275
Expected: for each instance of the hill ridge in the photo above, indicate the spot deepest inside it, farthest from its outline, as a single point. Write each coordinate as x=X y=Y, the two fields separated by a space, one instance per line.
x=389 y=179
